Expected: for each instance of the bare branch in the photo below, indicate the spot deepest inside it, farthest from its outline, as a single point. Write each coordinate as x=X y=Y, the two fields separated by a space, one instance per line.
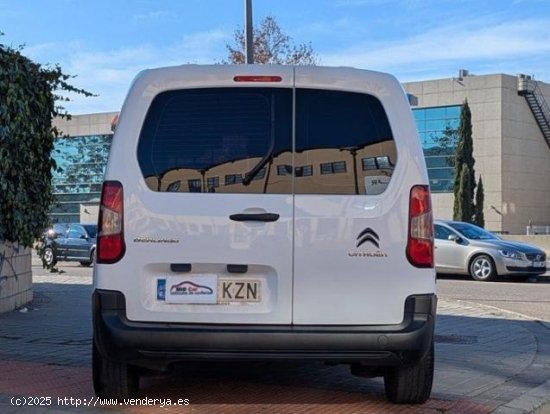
x=271 y=46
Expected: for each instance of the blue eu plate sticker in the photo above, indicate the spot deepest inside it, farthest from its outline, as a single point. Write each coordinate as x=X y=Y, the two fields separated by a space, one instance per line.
x=161 y=289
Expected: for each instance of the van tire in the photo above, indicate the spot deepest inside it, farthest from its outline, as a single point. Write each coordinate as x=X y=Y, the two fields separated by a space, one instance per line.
x=113 y=379
x=411 y=383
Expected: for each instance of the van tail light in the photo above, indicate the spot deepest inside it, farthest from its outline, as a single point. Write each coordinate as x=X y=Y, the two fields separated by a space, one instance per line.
x=420 y=244
x=110 y=232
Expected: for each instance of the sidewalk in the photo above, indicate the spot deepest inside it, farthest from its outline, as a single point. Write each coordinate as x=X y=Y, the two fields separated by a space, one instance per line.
x=487 y=360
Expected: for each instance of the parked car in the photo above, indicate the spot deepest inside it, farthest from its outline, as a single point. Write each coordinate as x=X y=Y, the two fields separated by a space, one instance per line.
x=464 y=248
x=265 y=212
x=70 y=243
x=56 y=230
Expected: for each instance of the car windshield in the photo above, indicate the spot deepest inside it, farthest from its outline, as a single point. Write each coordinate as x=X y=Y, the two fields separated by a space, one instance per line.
x=92 y=230
x=60 y=228
x=472 y=232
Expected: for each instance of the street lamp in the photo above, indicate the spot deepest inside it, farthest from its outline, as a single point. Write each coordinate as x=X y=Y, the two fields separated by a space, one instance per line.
x=249 y=38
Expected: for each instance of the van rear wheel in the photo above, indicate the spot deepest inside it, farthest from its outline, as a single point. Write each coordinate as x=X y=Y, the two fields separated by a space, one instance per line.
x=411 y=383
x=113 y=379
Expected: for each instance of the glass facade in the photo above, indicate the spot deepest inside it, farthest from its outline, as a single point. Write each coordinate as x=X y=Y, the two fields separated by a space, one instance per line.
x=438 y=131
x=81 y=165
x=81 y=162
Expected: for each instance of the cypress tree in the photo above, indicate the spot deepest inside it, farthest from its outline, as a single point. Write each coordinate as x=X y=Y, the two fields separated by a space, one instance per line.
x=466 y=204
x=479 y=217
x=464 y=184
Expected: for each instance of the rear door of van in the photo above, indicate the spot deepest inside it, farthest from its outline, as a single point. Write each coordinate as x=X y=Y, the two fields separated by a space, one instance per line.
x=357 y=158
x=208 y=222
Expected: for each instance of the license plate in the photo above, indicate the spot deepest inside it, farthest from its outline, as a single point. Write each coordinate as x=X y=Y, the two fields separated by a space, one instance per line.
x=239 y=290
x=208 y=289
x=539 y=264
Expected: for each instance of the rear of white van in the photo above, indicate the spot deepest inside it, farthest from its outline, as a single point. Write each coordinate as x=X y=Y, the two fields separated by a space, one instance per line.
x=265 y=212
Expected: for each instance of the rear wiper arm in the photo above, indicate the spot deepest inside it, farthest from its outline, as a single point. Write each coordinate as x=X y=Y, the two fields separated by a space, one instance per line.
x=249 y=176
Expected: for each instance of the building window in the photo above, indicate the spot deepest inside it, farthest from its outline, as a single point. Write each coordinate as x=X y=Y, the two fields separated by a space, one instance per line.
x=194 y=186
x=337 y=167
x=369 y=164
x=233 y=179
x=212 y=182
x=284 y=170
x=376 y=163
x=260 y=175
x=383 y=162
x=303 y=171
x=438 y=132
x=174 y=187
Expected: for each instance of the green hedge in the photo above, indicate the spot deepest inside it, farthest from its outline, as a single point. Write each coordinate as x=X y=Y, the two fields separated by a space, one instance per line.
x=28 y=103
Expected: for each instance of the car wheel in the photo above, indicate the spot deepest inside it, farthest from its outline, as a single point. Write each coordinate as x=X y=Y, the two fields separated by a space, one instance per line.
x=482 y=268
x=92 y=260
x=411 y=383
x=49 y=257
x=113 y=379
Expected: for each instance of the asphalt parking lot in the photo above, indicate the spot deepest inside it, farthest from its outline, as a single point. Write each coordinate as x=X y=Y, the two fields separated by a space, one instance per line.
x=487 y=360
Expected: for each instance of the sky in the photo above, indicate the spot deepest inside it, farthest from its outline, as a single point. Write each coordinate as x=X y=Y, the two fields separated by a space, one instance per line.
x=105 y=43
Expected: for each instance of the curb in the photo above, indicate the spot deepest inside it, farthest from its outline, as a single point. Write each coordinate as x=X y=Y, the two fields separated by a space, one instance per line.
x=544 y=409
x=544 y=323
x=536 y=400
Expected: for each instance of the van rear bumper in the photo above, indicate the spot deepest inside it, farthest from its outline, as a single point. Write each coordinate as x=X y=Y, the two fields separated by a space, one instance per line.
x=157 y=345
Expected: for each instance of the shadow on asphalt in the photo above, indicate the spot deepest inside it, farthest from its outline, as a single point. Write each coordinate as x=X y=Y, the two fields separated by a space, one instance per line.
x=481 y=360
x=543 y=279
x=263 y=383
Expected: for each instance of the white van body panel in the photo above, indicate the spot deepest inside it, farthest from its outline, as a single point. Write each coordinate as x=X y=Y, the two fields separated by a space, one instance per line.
x=208 y=239
x=310 y=269
x=334 y=281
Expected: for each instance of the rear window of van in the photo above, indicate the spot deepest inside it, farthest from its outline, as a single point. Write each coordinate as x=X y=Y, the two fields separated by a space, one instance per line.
x=240 y=140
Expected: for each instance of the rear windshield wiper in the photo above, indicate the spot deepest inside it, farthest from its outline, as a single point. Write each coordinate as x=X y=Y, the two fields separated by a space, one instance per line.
x=249 y=176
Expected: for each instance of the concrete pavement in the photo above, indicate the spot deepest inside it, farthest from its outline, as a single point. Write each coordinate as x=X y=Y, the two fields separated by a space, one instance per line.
x=487 y=360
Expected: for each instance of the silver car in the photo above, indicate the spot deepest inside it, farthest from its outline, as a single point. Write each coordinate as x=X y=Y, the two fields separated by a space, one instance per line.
x=463 y=248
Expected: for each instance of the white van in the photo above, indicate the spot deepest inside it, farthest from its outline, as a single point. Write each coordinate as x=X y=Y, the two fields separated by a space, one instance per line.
x=260 y=213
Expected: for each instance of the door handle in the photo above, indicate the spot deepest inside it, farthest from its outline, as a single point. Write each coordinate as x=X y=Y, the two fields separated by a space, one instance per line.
x=267 y=217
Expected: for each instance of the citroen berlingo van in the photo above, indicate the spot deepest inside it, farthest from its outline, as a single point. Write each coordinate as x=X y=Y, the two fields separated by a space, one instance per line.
x=262 y=212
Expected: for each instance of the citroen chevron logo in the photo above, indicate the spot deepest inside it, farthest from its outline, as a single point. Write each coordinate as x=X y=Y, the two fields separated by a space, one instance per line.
x=368 y=235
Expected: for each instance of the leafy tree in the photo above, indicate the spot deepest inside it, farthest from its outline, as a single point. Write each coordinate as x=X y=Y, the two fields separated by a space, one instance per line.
x=464 y=184
x=271 y=45
x=479 y=217
x=29 y=94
